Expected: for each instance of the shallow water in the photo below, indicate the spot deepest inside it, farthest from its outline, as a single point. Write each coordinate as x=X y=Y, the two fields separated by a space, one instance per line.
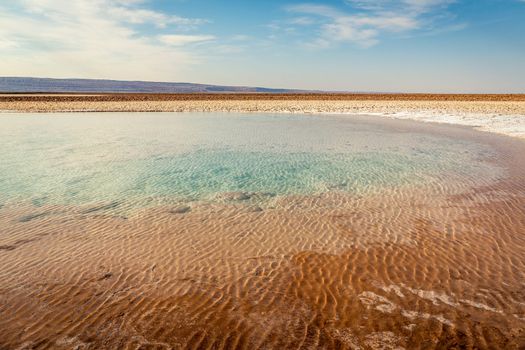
x=144 y=158
x=167 y=231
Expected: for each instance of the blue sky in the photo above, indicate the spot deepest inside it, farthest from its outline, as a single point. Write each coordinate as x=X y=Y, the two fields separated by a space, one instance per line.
x=353 y=45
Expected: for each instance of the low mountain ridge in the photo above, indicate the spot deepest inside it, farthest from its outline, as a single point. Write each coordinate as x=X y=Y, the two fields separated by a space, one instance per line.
x=50 y=85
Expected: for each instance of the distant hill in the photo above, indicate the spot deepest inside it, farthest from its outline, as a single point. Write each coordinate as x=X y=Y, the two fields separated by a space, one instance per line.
x=23 y=84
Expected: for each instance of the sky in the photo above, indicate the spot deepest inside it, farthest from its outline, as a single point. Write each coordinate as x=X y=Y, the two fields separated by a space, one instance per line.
x=340 y=45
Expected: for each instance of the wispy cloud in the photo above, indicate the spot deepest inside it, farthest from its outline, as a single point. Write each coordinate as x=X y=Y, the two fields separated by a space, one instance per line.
x=141 y=16
x=180 y=39
x=420 y=6
x=364 y=21
x=95 y=38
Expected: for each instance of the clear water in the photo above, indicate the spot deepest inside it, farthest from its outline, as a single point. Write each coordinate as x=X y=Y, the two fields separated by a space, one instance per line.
x=65 y=159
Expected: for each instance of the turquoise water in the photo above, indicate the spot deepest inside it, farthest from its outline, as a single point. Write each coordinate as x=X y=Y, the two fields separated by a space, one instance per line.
x=150 y=158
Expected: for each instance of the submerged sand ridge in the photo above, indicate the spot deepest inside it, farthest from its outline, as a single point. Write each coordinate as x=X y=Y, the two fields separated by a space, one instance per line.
x=437 y=265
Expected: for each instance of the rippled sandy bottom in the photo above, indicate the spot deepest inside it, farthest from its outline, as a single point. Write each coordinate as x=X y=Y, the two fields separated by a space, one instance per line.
x=432 y=267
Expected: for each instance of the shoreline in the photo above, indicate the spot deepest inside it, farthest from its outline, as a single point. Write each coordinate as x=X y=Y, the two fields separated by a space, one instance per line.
x=505 y=115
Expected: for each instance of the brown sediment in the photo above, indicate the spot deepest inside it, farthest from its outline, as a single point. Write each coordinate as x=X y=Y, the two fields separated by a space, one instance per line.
x=70 y=97
x=330 y=103
x=435 y=267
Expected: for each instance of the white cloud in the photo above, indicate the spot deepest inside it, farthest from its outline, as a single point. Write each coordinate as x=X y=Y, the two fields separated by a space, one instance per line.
x=7 y=44
x=179 y=39
x=399 y=5
x=368 y=20
x=93 y=38
x=141 y=16
x=303 y=21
